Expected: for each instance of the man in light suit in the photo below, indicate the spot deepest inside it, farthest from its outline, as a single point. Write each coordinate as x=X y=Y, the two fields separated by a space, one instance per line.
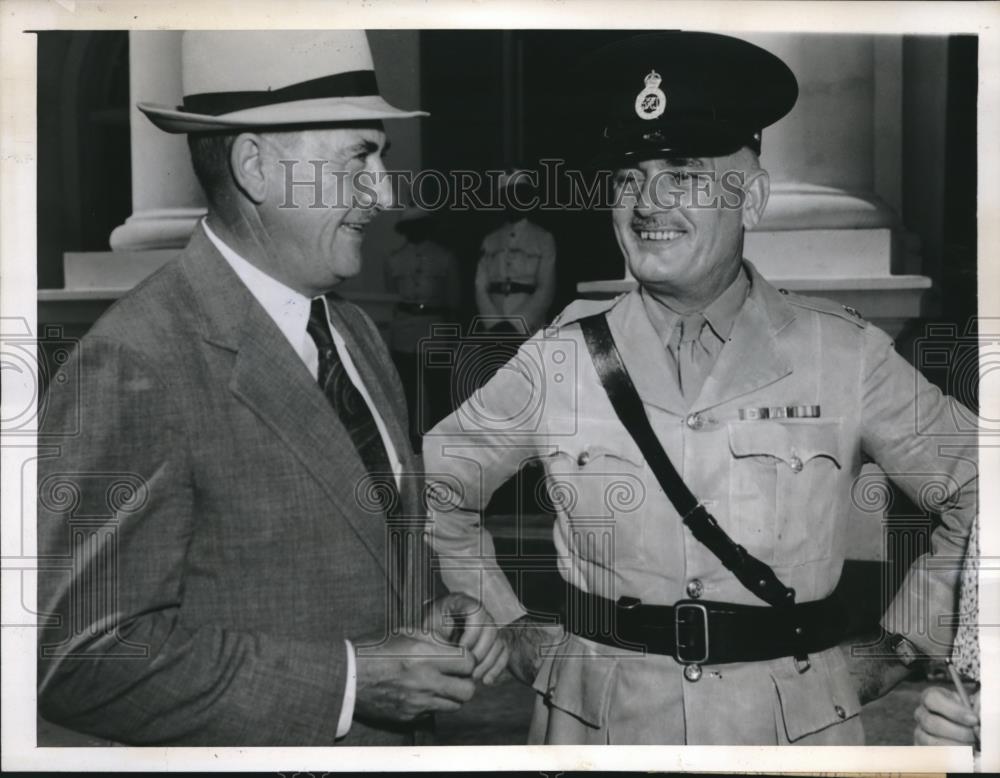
x=229 y=503
x=678 y=630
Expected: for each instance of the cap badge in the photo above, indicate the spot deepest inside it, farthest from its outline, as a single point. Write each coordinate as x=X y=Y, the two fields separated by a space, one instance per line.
x=650 y=103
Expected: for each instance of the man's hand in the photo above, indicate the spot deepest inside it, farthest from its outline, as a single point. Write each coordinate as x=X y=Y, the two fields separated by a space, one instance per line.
x=403 y=678
x=461 y=620
x=525 y=641
x=943 y=719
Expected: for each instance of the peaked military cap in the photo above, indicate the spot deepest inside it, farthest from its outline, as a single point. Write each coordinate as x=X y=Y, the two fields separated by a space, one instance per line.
x=681 y=93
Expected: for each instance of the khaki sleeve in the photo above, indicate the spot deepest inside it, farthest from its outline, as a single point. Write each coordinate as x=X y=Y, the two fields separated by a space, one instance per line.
x=926 y=442
x=468 y=456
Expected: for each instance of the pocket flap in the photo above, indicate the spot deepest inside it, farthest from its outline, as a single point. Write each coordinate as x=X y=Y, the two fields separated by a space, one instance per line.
x=820 y=697
x=788 y=441
x=579 y=682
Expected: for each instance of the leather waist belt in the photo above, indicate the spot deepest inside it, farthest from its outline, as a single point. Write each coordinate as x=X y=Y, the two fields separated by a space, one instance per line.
x=422 y=309
x=511 y=287
x=704 y=632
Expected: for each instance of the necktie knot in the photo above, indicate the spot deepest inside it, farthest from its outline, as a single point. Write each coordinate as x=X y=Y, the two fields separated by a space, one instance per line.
x=690 y=326
x=319 y=326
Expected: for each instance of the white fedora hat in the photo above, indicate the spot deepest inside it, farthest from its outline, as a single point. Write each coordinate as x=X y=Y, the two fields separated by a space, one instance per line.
x=234 y=79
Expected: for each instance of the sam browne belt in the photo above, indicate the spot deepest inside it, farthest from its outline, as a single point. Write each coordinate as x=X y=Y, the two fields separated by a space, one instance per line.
x=704 y=632
x=755 y=575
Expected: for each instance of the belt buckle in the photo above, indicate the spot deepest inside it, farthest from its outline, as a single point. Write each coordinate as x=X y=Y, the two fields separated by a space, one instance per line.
x=682 y=622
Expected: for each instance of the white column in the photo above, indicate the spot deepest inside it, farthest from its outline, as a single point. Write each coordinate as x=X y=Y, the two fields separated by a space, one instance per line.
x=166 y=198
x=823 y=158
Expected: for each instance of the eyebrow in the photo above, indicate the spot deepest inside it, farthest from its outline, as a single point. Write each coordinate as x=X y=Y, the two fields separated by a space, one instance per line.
x=368 y=147
x=684 y=162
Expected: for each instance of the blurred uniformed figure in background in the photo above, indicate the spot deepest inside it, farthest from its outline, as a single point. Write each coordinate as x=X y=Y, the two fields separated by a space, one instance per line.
x=516 y=275
x=426 y=276
x=702 y=435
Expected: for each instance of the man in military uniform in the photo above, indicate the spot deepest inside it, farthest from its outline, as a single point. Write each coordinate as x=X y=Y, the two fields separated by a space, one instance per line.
x=516 y=275
x=427 y=279
x=699 y=604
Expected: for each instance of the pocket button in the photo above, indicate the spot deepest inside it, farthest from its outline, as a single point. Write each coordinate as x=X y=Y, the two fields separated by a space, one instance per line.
x=796 y=464
x=583 y=459
x=695 y=588
x=839 y=710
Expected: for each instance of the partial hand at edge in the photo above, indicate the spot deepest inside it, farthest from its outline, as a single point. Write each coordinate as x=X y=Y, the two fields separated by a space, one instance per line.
x=943 y=720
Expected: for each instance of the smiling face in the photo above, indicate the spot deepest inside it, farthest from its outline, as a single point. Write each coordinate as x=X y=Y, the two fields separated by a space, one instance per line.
x=315 y=231
x=679 y=222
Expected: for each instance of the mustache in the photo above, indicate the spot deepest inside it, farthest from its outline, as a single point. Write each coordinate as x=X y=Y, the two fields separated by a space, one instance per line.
x=654 y=225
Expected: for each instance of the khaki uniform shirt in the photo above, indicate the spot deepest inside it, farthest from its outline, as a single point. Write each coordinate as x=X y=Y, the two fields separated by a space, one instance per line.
x=421 y=273
x=780 y=487
x=524 y=253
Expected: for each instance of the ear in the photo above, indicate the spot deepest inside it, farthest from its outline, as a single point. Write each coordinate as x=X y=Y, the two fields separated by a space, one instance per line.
x=246 y=163
x=757 y=189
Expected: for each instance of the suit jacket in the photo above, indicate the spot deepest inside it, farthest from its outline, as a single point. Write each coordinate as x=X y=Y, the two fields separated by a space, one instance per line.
x=783 y=488
x=209 y=537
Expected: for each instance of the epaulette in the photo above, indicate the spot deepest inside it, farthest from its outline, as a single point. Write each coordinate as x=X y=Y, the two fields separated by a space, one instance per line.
x=823 y=305
x=579 y=309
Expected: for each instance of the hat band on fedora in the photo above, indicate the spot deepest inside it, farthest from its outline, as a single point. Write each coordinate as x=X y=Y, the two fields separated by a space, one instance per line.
x=354 y=83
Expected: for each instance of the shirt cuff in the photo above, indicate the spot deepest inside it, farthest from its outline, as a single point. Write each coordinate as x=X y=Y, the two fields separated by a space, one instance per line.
x=350 y=692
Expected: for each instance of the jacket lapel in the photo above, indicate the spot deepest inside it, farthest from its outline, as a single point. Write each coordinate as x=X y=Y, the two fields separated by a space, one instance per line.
x=751 y=359
x=270 y=378
x=377 y=373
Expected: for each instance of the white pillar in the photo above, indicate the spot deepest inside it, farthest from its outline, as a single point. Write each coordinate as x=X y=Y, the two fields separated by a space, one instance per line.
x=166 y=198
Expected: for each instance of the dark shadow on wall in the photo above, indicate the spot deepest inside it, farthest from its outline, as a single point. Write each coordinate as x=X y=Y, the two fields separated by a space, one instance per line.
x=84 y=185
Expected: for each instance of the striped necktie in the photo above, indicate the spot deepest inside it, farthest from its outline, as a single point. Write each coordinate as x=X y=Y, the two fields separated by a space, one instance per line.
x=350 y=405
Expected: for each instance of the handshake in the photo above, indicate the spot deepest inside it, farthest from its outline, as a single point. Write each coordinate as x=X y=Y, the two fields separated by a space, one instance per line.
x=401 y=678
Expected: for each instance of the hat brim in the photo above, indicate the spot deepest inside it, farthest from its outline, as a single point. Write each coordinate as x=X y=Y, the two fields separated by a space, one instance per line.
x=324 y=110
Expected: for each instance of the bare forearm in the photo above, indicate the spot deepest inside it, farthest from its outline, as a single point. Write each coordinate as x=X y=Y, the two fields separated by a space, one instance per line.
x=874 y=666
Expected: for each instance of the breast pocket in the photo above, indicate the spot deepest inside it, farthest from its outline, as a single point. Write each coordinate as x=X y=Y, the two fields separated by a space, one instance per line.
x=595 y=485
x=784 y=477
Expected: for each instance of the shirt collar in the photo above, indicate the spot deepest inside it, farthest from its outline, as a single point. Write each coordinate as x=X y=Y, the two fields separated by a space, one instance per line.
x=289 y=309
x=720 y=314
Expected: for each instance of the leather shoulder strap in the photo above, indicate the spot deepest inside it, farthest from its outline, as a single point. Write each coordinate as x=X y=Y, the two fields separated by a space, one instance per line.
x=755 y=575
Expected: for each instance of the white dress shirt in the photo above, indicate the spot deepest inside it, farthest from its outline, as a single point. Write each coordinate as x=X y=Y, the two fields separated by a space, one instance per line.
x=290 y=311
